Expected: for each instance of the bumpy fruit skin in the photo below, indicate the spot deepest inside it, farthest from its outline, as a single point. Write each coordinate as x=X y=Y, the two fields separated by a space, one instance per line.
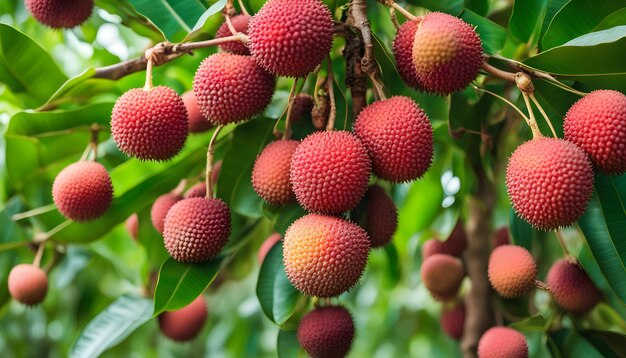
x=184 y=324
x=447 y=53
x=326 y=332
x=291 y=37
x=60 y=14
x=160 y=207
x=571 y=288
x=452 y=321
x=442 y=275
x=232 y=88
x=267 y=246
x=403 y=52
x=240 y=23
x=196 y=191
x=398 y=138
x=150 y=124
x=197 y=123
x=382 y=216
x=549 y=182
x=132 y=226
x=324 y=256
x=28 y=284
x=597 y=124
x=502 y=237
x=83 y=191
x=454 y=245
x=500 y=342
x=302 y=106
x=196 y=229
x=270 y=174
x=330 y=172
x=512 y=271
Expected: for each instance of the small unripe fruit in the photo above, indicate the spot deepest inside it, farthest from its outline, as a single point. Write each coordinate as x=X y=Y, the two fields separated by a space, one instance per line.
x=512 y=271
x=431 y=247
x=398 y=138
x=302 y=106
x=160 y=207
x=132 y=226
x=403 y=52
x=150 y=124
x=60 y=14
x=499 y=342
x=196 y=229
x=197 y=123
x=196 y=191
x=502 y=237
x=184 y=324
x=324 y=256
x=452 y=321
x=83 y=191
x=597 y=124
x=454 y=245
x=381 y=216
x=549 y=182
x=571 y=288
x=330 y=172
x=442 y=275
x=270 y=174
x=28 y=284
x=231 y=88
x=326 y=332
x=267 y=246
x=240 y=24
x=291 y=37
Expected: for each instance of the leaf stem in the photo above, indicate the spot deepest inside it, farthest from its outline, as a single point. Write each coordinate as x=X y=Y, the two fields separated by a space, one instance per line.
x=209 y=162
x=532 y=122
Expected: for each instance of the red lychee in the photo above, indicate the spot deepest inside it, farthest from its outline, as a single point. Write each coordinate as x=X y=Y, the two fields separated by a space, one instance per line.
x=270 y=174
x=452 y=321
x=454 y=245
x=502 y=237
x=267 y=246
x=28 y=284
x=196 y=191
x=132 y=226
x=184 y=324
x=60 y=14
x=381 y=216
x=403 y=52
x=512 y=271
x=160 y=207
x=442 y=275
x=326 y=332
x=571 y=288
x=240 y=24
x=499 y=342
x=197 y=123
x=302 y=106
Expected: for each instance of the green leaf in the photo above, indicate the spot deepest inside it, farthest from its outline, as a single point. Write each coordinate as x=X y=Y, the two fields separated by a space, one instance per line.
x=607 y=342
x=112 y=326
x=172 y=17
x=393 y=266
x=71 y=83
x=453 y=7
x=553 y=8
x=531 y=324
x=282 y=217
x=522 y=233
x=200 y=25
x=481 y=7
x=131 y=18
x=526 y=19
x=287 y=344
x=492 y=35
x=615 y=19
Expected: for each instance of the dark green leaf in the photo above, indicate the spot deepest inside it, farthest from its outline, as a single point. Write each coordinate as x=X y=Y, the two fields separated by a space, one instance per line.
x=522 y=234
x=617 y=18
x=287 y=344
x=607 y=342
x=535 y=323
x=492 y=35
x=131 y=18
x=200 y=25
x=526 y=19
x=453 y=7
x=282 y=217
x=175 y=18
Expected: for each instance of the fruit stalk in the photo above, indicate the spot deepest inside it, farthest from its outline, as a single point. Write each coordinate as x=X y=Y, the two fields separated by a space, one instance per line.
x=209 y=163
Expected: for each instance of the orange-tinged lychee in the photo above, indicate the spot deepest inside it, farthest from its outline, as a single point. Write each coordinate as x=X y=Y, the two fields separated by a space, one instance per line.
x=184 y=324
x=381 y=216
x=160 y=207
x=403 y=52
x=512 y=271
x=442 y=275
x=452 y=321
x=240 y=24
x=197 y=123
x=326 y=332
x=499 y=342
x=571 y=288
x=270 y=174
x=267 y=246
x=60 y=14
x=28 y=284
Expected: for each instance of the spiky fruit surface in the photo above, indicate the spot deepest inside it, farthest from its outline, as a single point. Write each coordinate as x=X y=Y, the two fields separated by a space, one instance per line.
x=60 y=14
x=442 y=275
x=403 y=53
x=83 y=191
x=196 y=229
x=197 y=123
x=28 y=284
x=512 y=271
x=132 y=226
x=302 y=107
x=329 y=172
x=240 y=23
x=454 y=245
x=326 y=332
x=571 y=288
x=196 y=191
x=184 y=324
x=382 y=216
x=502 y=237
x=452 y=321
x=597 y=124
x=150 y=124
x=267 y=246
x=502 y=342
x=324 y=256
x=398 y=137
x=270 y=174
x=291 y=37
x=447 y=53
x=160 y=207
x=549 y=182
x=232 y=88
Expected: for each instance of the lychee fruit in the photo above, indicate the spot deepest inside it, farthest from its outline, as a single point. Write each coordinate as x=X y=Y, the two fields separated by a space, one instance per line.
x=184 y=324
x=447 y=53
x=452 y=321
x=512 y=271
x=499 y=342
x=267 y=246
x=571 y=288
x=291 y=37
x=83 y=191
x=324 y=256
x=403 y=52
x=197 y=123
x=232 y=88
x=326 y=332
x=150 y=124
x=597 y=124
x=240 y=24
x=381 y=214
x=196 y=229
x=270 y=174
x=160 y=207
x=330 y=171
x=442 y=275
x=196 y=191
x=132 y=226
x=60 y=14
x=302 y=106
x=549 y=182
x=502 y=237
x=28 y=284
x=454 y=245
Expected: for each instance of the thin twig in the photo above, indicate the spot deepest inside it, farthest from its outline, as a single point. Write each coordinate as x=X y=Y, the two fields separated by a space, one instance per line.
x=519 y=111
x=330 y=83
x=230 y=25
x=55 y=230
x=562 y=242
x=543 y=113
x=358 y=10
x=39 y=254
x=290 y=101
x=209 y=162
x=394 y=18
x=34 y=212
x=532 y=122
x=494 y=71
x=13 y=245
x=243 y=8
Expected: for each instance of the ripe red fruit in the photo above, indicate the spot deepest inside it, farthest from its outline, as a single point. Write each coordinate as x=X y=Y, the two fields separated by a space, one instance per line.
x=403 y=52
x=447 y=53
x=501 y=237
x=291 y=37
x=270 y=174
x=28 y=284
x=326 y=332
x=324 y=256
x=132 y=226
x=197 y=123
x=596 y=123
x=381 y=216
x=232 y=88
x=60 y=14
x=160 y=207
x=330 y=172
x=184 y=324
x=240 y=23
x=196 y=229
x=500 y=342
x=452 y=321
x=150 y=124
x=267 y=246
x=454 y=245
x=442 y=275
x=398 y=138
x=83 y=191
x=302 y=106
x=196 y=191
x=549 y=182
x=571 y=288
x=512 y=271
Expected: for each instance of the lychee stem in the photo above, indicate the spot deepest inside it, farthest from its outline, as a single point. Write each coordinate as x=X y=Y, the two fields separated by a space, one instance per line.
x=243 y=8
x=504 y=100
x=292 y=99
x=180 y=187
x=394 y=18
x=543 y=113
x=13 y=245
x=34 y=212
x=95 y=129
x=330 y=83
x=378 y=88
x=532 y=122
x=209 y=162
x=39 y=254
x=402 y=10
x=562 y=242
x=229 y=23
x=148 y=86
x=55 y=230
x=286 y=110
x=541 y=285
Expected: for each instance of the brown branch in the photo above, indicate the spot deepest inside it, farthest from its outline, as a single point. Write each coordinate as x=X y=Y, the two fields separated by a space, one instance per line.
x=496 y=72
x=358 y=12
x=356 y=78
